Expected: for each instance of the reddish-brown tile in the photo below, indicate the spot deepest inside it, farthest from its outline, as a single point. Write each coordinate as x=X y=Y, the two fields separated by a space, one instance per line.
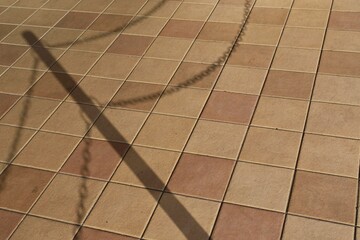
x=273 y=16
x=9 y=53
x=77 y=20
x=217 y=31
x=110 y=23
x=94 y=234
x=340 y=63
x=7 y=101
x=130 y=45
x=9 y=223
x=252 y=56
x=344 y=20
x=181 y=28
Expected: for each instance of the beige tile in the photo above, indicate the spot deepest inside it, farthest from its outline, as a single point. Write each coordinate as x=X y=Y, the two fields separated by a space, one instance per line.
x=60 y=37
x=212 y=138
x=91 y=41
x=206 y=51
x=18 y=80
x=260 y=186
x=193 y=11
x=261 y=34
x=219 y=31
x=16 y=36
x=273 y=3
x=63 y=198
x=272 y=147
x=313 y=4
x=45 y=17
x=172 y=222
x=166 y=10
x=169 y=48
x=270 y=16
x=308 y=18
x=65 y=4
x=123 y=209
x=126 y=6
x=249 y=55
x=165 y=132
x=92 y=5
x=342 y=40
x=15 y=15
x=148 y=26
x=280 y=113
x=299 y=38
x=224 y=13
x=346 y=5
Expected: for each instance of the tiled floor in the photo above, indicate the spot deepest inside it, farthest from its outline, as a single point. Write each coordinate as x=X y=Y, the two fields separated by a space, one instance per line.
x=129 y=120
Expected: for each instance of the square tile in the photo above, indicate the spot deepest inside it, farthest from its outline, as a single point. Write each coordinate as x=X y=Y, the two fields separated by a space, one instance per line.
x=15 y=15
x=133 y=95
x=203 y=176
x=94 y=234
x=274 y=3
x=252 y=56
x=34 y=110
x=340 y=63
x=61 y=200
x=288 y=84
x=45 y=17
x=92 y=5
x=10 y=53
x=154 y=70
x=241 y=80
x=225 y=13
x=123 y=209
x=193 y=11
x=329 y=155
x=169 y=48
x=59 y=37
x=130 y=45
x=148 y=26
x=280 y=113
x=312 y=4
x=117 y=125
x=91 y=41
x=313 y=195
x=271 y=16
x=110 y=23
x=342 y=41
x=95 y=158
x=181 y=28
x=207 y=51
x=180 y=217
x=47 y=151
x=17 y=81
x=299 y=38
x=8 y=226
x=260 y=186
x=125 y=6
x=23 y=186
x=212 y=138
x=165 y=132
x=146 y=167
x=220 y=107
x=308 y=18
x=271 y=147
x=345 y=20
x=337 y=89
x=7 y=101
x=261 y=34
x=114 y=66
x=183 y=101
x=334 y=119
x=296 y=59
x=77 y=20
x=249 y=223
x=72 y=119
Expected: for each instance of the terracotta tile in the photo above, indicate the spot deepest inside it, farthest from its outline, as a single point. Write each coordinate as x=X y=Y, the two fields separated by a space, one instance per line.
x=101 y=161
x=8 y=226
x=125 y=6
x=346 y=5
x=49 y=86
x=130 y=45
x=241 y=80
x=10 y=53
x=337 y=89
x=149 y=26
x=294 y=59
x=184 y=101
x=193 y=11
x=313 y=195
x=99 y=90
x=5 y=29
x=94 y=234
x=76 y=20
x=169 y=48
x=12 y=140
x=224 y=13
x=132 y=96
x=299 y=38
x=21 y=186
x=271 y=147
x=342 y=41
x=207 y=51
x=308 y=18
x=288 y=84
x=65 y=4
x=165 y=132
x=47 y=151
x=35 y=111
x=212 y=138
x=91 y=41
x=62 y=199
x=315 y=229
x=260 y=186
x=146 y=167
x=237 y=222
x=181 y=29
x=330 y=119
x=16 y=37
x=144 y=71
x=72 y=118
x=220 y=107
x=329 y=155
x=252 y=56
x=272 y=16
x=45 y=17
x=60 y=37
x=280 y=113
x=15 y=15
x=201 y=176
x=92 y=5
x=7 y=101
x=344 y=20
x=114 y=66
x=261 y=34
x=273 y=3
x=312 y=4
x=75 y=62
x=39 y=229
x=163 y=9
x=174 y=223
x=127 y=124
x=188 y=71
x=123 y=209
x=340 y=63
x=110 y=23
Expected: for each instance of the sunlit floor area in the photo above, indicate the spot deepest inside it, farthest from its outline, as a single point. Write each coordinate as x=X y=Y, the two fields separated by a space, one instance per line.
x=179 y=119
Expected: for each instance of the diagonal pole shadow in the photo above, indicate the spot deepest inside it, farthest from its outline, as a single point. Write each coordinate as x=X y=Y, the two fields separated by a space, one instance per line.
x=107 y=127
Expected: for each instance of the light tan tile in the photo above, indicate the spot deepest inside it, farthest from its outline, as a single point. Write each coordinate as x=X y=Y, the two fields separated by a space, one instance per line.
x=299 y=38
x=342 y=41
x=308 y=18
x=193 y=11
x=273 y=3
x=224 y=13
x=346 y=5
x=313 y=4
x=206 y=51
x=18 y=80
x=166 y=10
x=169 y=48
x=148 y=26
x=261 y=34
